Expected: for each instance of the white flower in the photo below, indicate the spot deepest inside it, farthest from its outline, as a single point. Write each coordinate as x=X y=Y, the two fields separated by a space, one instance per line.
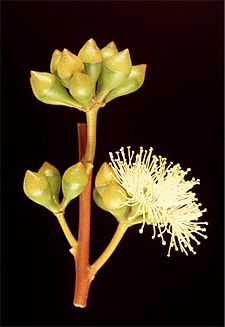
x=160 y=194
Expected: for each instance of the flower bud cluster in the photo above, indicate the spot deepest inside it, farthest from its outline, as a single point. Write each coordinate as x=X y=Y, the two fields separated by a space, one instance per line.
x=44 y=186
x=93 y=77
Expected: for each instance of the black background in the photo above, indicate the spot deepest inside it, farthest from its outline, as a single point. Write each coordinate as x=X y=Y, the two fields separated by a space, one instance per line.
x=178 y=111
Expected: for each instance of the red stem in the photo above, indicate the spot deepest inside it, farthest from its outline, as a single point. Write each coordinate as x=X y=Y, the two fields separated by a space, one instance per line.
x=83 y=276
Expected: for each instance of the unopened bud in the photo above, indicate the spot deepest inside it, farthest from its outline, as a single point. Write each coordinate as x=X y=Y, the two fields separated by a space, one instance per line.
x=131 y=84
x=104 y=177
x=37 y=188
x=90 y=53
x=98 y=200
x=74 y=181
x=55 y=61
x=91 y=56
x=53 y=177
x=115 y=70
x=82 y=88
x=120 y=62
x=113 y=202
x=48 y=89
x=113 y=196
x=67 y=65
x=109 y=50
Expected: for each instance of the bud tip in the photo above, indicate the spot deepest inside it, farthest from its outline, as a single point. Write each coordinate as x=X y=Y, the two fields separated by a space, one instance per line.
x=125 y=52
x=91 y=41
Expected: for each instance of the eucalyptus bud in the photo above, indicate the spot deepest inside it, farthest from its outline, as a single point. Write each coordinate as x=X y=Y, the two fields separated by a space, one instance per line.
x=104 y=177
x=113 y=202
x=98 y=200
x=53 y=177
x=37 y=188
x=109 y=50
x=48 y=89
x=131 y=84
x=91 y=56
x=74 y=181
x=68 y=63
x=55 y=61
x=113 y=196
x=115 y=70
x=82 y=88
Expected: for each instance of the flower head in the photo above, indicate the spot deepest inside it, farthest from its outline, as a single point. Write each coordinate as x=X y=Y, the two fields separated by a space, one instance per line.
x=161 y=195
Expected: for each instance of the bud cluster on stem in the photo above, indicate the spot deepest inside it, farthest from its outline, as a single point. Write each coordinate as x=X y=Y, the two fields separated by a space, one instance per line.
x=91 y=78
x=134 y=189
x=86 y=81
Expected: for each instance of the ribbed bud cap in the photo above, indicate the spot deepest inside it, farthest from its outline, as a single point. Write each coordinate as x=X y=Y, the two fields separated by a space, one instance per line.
x=48 y=89
x=68 y=64
x=131 y=84
x=74 y=181
x=109 y=50
x=120 y=62
x=104 y=177
x=90 y=53
x=53 y=177
x=37 y=189
x=113 y=196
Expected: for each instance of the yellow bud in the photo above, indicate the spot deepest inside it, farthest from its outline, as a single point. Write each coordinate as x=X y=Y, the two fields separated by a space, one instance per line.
x=131 y=84
x=53 y=177
x=113 y=196
x=138 y=72
x=36 y=188
x=120 y=213
x=120 y=62
x=54 y=61
x=109 y=50
x=48 y=89
x=91 y=56
x=104 y=177
x=115 y=70
x=82 y=88
x=68 y=64
x=74 y=181
x=98 y=200
x=90 y=53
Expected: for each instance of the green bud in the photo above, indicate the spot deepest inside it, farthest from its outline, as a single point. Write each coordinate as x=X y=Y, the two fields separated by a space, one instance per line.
x=120 y=213
x=104 y=177
x=91 y=56
x=74 y=181
x=55 y=61
x=90 y=53
x=37 y=188
x=109 y=50
x=53 y=177
x=131 y=84
x=67 y=65
x=113 y=196
x=120 y=62
x=82 y=88
x=48 y=89
x=115 y=70
x=98 y=200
